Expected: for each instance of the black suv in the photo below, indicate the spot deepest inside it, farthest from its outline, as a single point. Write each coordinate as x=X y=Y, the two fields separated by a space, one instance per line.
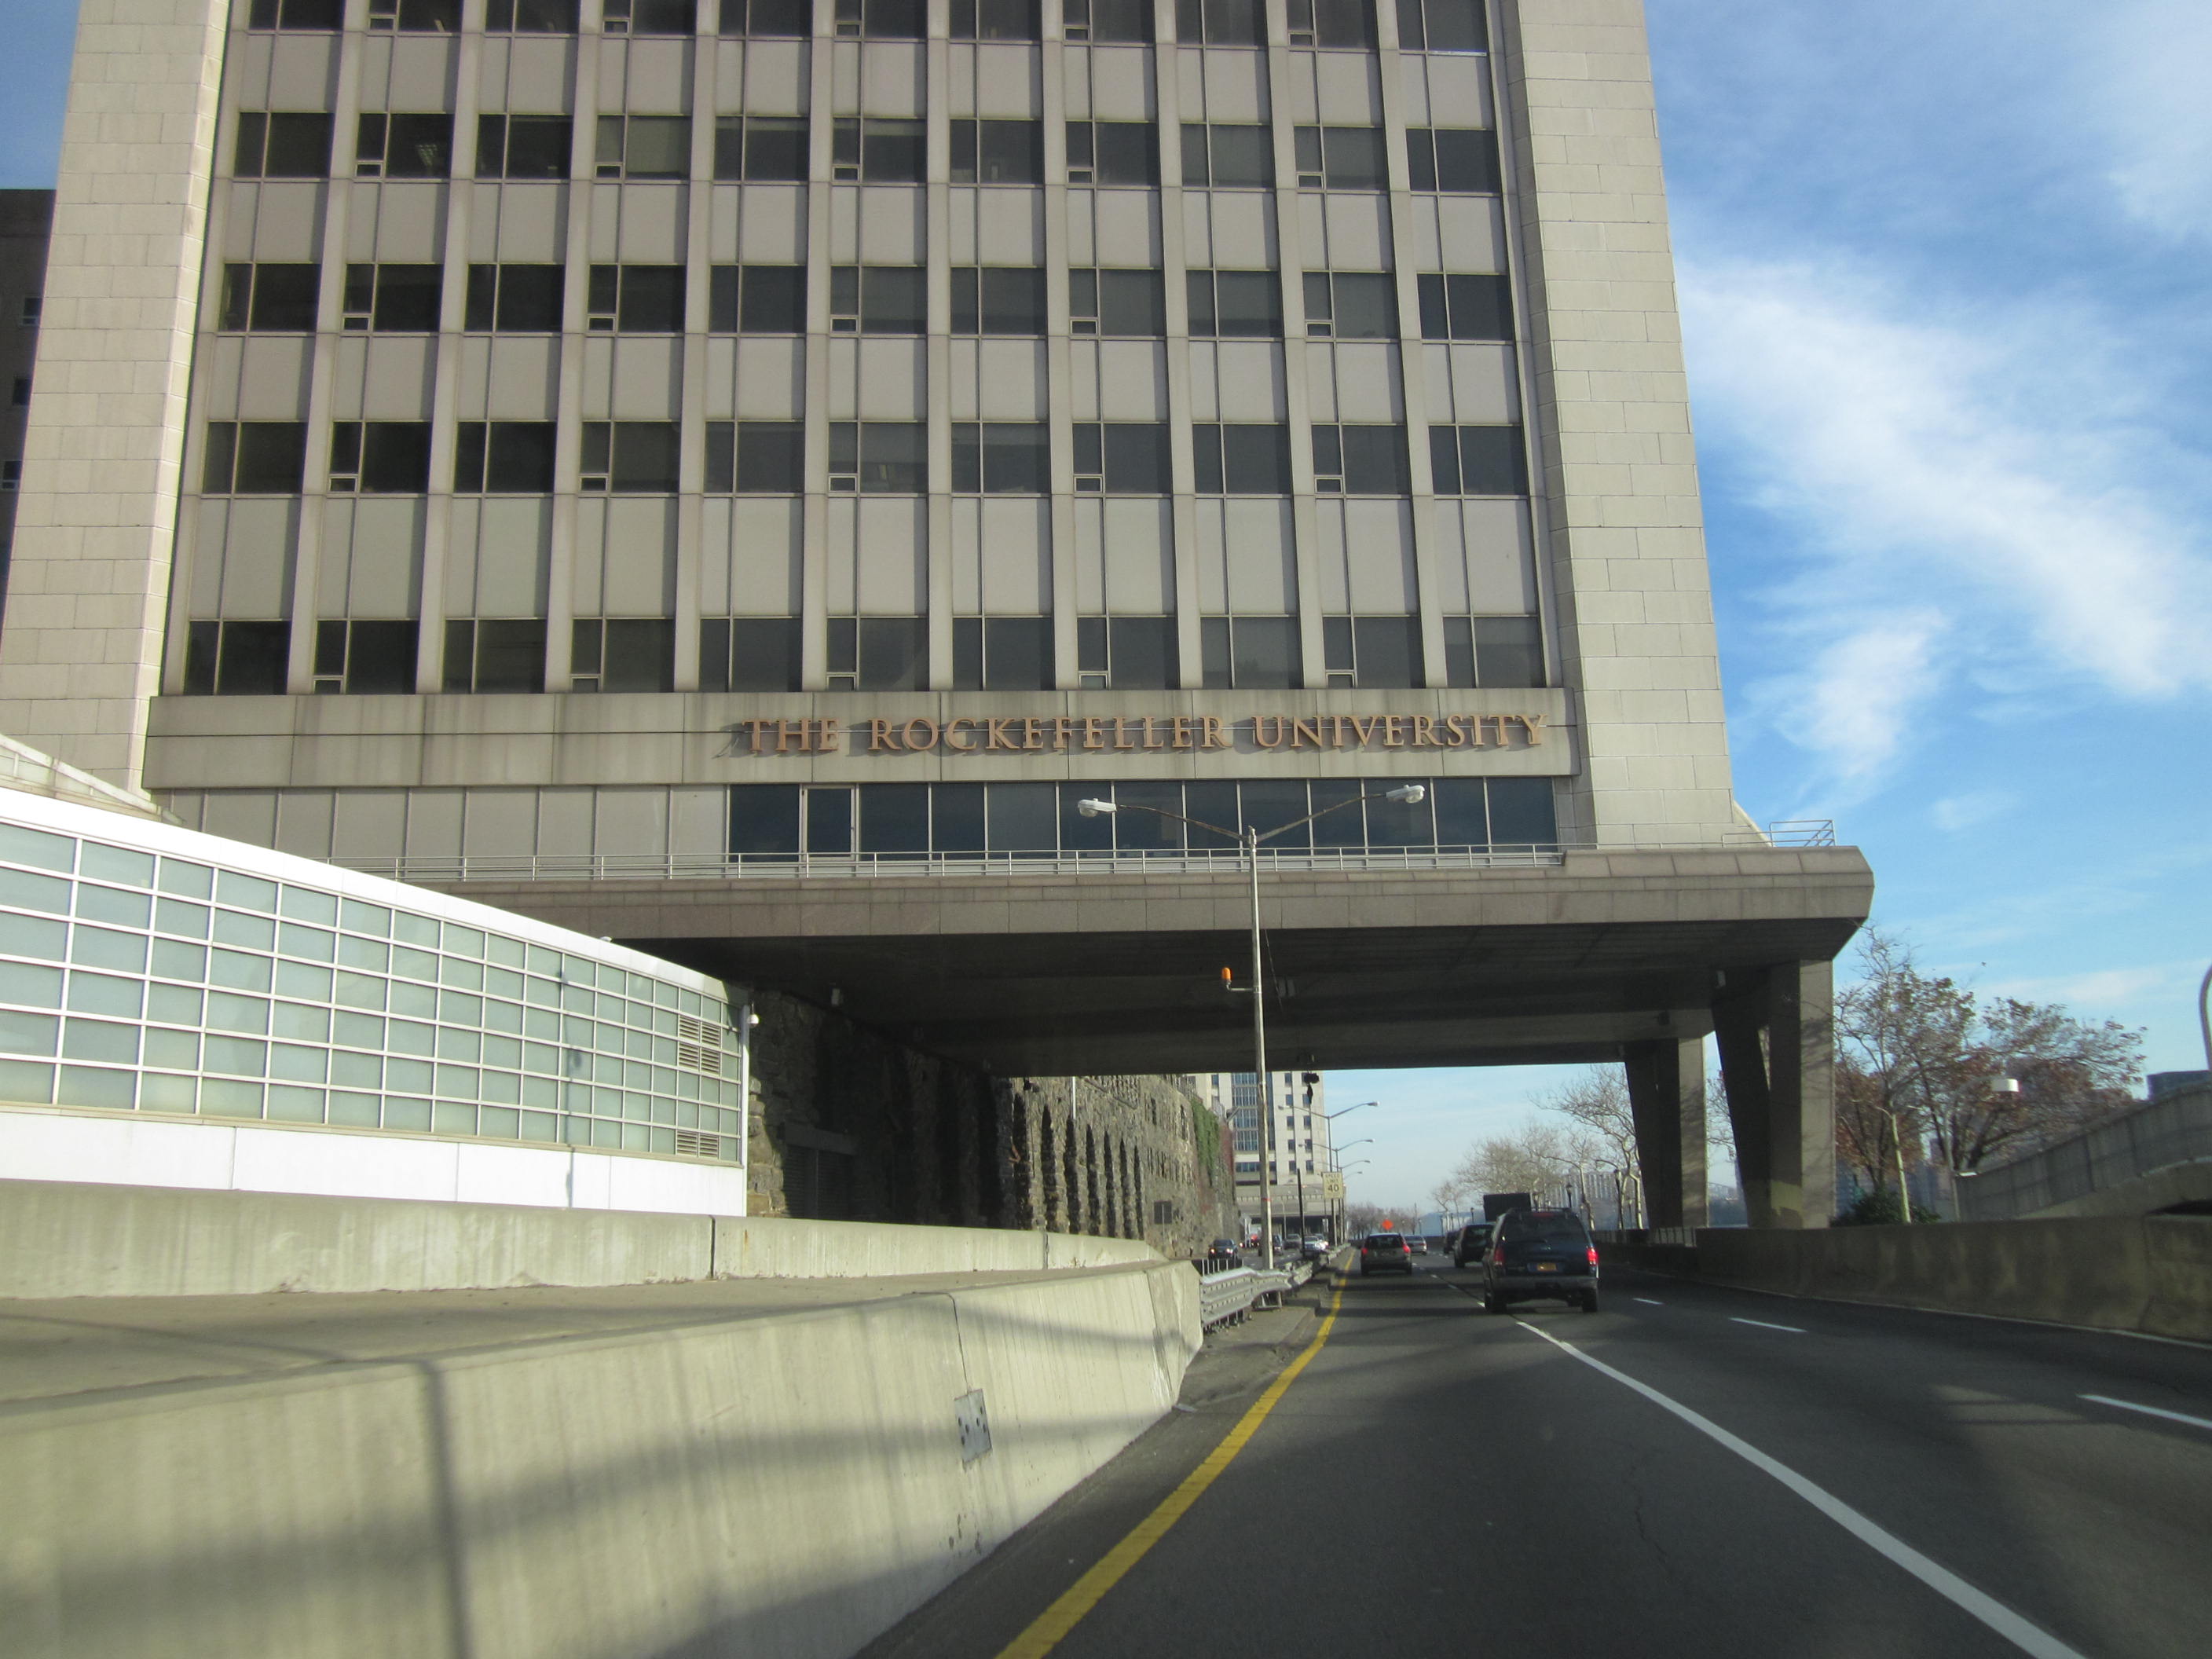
x=1535 y=1253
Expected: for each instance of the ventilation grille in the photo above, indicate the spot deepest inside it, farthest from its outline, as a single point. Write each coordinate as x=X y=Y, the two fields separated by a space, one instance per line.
x=698 y=1046
x=700 y=1146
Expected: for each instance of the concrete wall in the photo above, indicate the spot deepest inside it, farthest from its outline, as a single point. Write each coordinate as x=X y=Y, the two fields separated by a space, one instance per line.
x=779 y=1487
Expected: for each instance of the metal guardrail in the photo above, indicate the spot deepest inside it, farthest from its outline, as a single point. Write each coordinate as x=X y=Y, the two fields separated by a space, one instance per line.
x=2176 y=1129
x=1234 y=1292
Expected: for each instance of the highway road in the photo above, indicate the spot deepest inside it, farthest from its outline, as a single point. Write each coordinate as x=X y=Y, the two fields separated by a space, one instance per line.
x=1693 y=1470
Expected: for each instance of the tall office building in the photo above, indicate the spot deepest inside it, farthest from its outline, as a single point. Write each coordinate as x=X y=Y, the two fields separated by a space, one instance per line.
x=1282 y=1140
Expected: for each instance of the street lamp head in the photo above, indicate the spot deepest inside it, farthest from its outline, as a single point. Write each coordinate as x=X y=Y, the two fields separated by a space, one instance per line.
x=1091 y=809
x=1411 y=794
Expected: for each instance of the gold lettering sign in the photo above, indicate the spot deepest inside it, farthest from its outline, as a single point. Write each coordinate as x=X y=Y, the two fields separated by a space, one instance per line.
x=965 y=734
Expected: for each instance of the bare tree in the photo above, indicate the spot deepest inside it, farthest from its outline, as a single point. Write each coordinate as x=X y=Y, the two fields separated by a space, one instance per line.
x=1533 y=1158
x=1598 y=1101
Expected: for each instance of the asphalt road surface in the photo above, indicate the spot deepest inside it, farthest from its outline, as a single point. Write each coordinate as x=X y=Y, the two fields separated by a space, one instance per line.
x=1793 y=1480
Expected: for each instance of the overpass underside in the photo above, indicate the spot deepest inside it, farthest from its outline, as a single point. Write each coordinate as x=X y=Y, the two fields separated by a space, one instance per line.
x=1606 y=957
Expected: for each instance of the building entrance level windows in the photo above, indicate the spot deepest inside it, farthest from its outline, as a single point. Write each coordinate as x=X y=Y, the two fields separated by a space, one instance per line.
x=1126 y=653
x=1003 y=458
x=402 y=146
x=269 y=299
x=366 y=659
x=236 y=658
x=755 y=457
x=635 y=299
x=757 y=299
x=1242 y=458
x=1221 y=23
x=879 y=299
x=380 y=458
x=504 y=458
x=1250 y=653
x=1493 y=651
x=995 y=19
x=649 y=16
x=1113 y=153
x=529 y=16
x=636 y=458
x=878 y=653
x=1478 y=460
x=281 y=146
x=997 y=300
x=1340 y=158
x=998 y=152
x=1332 y=23
x=1442 y=26
x=879 y=152
x=622 y=653
x=495 y=654
x=879 y=456
x=1466 y=307
x=644 y=147
x=523 y=146
x=254 y=457
x=1122 y=457
x=1224 y=157
x=1124 y=302
x=1360 y=460
x=784 y=18
x=1002 y=653
x=749 y=653
x=295 y=14
x=416 y=16
x=1126 y=22
x=1371 y=652
x=514 y=300
x=392 y=299
x=1347 y=305
x=1457 y=160
x=761 y=149
x=883 y=20
x=1231 y=305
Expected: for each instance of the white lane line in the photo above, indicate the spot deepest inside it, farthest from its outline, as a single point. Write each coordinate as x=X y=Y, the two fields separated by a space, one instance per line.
x=1649 y=1301
x=1763 y=1325
x=2002 y=1619
x=2151 y=1410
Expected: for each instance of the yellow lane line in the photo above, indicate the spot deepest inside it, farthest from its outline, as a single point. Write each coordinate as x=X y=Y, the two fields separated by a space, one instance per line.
x=1051 y=1626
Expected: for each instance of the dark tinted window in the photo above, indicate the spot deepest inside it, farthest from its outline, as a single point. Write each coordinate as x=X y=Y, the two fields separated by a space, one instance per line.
x=514 y=299
x=997 y=300
x=998 y=152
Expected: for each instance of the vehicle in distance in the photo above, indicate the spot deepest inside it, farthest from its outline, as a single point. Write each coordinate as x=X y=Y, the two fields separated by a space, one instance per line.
x=1474 y=1242
x=1417 y=1245
x=1314 y=1249
x=1539 y=1253
x=1223 y=1247
x=1385 y=1253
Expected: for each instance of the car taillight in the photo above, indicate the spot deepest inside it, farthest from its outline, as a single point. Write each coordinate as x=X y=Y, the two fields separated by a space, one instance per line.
x=1498 y=1257
x=1593 y=1255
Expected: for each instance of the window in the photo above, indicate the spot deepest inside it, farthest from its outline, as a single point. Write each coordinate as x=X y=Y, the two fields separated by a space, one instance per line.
x=1466 y=307
x=755 y=457
x=770 y=17
x=1126 y=302
x=1113 y=153
x=876 y=152
x=1257 y=653
x=1122 y=21
x=529 y=16
x=365 y=659
x=1242 y=458
x=20 y=396
x=1442 y=26
x=635 y=299
x=295 y=14
x=395 y=146
x=995 y=20
x=281 y=146
x=1126 y=653
x=1002 y=458
x=1478 y=460
x=1360 y=460
x=1332 y=23
x=878 y=653
x=879 y=456
x=269 y=299
x=1235 y=304
x=649 y=17
x=878 y=299
x=1002 y=653
x=1347 y=305
x=998 y=152
x=761 y=149
x=1372 y=652
x=757 y=299
x=416 y=16
x=503 y=458
x=1493 y=651
x=34 y=307
x=236 y=658
x=635 y=458
x=1221 y=23
x=644 y=147
x=495 y=654
x=1122 y=457
x=1228 y=157
x=255 y=458
x=883 y=20
x=749 y=653
x=1340 y=158
x=997 y=300
x=514 y=300
x=392 y=299
x=523 y=146
x=380 y=458
x=622 y=653
x=1455 y=159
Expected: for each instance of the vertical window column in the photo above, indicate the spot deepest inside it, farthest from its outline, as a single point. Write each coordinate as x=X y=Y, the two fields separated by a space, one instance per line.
x=1175 y=257
x=937 y=369
x=814 y=623
x=698 y=285
x=560 y=586
x=1060 y=367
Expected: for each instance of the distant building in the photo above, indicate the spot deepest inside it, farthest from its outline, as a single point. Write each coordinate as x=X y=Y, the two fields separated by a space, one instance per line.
x=1297 y=1159
x=26 y=218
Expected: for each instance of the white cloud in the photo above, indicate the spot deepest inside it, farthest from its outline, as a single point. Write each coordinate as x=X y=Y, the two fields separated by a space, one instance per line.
x=2151 y=55
x=1958 y=812
x=2096 y=994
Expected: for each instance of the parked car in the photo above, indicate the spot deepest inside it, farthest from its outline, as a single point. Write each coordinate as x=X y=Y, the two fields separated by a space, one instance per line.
x=1539 y=1253
x=1385 y=1253
x=1472 y=1243
x=1315 y=1249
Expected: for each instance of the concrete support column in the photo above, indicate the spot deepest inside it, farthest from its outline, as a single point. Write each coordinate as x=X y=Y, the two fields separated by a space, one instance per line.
x=1776 y=1029
x=1667 y=1098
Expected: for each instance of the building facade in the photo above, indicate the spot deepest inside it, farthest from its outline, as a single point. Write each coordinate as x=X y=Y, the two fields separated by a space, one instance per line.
x=1284 y=1149
x=26 y=217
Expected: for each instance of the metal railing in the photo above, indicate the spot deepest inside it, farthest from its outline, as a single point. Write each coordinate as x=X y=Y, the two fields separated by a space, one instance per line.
x=2177 y=1128
x=1232 y=1293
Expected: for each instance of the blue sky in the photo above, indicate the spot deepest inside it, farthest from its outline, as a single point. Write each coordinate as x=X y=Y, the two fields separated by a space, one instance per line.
x=1944 y=291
